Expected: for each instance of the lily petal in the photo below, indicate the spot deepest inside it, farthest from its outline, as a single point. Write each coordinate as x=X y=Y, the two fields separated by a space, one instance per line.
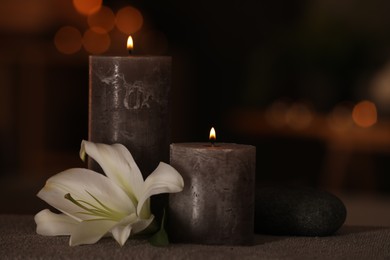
x=122 y=230
x=129 y=225
x=89 y=232
x=121 y=234
x=88 y=186
x=163 y=179
x=141 y=224
x=118 y=164
x=52 y=224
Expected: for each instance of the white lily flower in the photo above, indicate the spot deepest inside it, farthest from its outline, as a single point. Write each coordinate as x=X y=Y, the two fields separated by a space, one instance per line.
x=94 y=205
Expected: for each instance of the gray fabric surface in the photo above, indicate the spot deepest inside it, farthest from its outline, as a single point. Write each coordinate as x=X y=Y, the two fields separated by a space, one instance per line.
x=18 y=240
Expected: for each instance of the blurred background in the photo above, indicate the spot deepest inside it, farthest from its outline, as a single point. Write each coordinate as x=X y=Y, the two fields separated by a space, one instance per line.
x=306 y=82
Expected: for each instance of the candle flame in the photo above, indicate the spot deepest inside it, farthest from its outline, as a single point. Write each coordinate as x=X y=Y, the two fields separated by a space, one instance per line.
x=213 y=135
x=130 y=43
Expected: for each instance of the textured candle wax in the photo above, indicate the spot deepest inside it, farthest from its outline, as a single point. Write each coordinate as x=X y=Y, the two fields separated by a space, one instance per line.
x=129 y=104
x=217 y=203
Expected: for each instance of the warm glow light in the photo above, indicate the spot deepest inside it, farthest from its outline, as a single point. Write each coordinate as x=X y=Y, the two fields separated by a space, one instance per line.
x=340 y=119
x=130 y=44
x=95 y=42
x=87 y=7
x=276 y=113
x=27 y=17
x=364 y=114
x=299 y=116
x=103 y=20
x=129 y=20
x=213 y=135
x=379 y=88
x=68 y=40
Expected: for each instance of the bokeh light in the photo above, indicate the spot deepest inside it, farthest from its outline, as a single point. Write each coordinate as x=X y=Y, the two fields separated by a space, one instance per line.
x=68 y=40
x=379 y=88
x=87 y=7
x=340 y=118
x=96 y=42
x=102 y=21
x=276 y=113
x=129 y=20
x=364 y=114
x=299 y=116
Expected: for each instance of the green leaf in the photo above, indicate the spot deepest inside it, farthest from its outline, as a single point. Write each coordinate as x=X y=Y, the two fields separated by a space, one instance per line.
x=160 y=238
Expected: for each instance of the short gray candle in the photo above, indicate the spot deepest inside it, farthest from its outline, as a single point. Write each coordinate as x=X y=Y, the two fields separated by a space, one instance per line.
x=129 y=104
x=217 y=203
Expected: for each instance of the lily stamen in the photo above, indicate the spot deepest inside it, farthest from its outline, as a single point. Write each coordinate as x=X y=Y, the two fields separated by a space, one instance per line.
x=104 y=212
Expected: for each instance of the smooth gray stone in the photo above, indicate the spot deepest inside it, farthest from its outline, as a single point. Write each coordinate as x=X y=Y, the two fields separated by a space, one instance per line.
x=297 y=212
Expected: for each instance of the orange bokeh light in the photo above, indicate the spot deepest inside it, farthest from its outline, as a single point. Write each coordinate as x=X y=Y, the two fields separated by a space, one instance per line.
x=364 y=114
x=103 y=20
x=298 y=116
x=340 y=119
x=129 y=20
x=276 y=113
x=87 y=7
x=96 y=42
x=68 y=40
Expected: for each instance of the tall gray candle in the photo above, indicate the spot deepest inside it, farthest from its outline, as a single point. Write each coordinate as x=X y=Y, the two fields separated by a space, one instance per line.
x=129 y=104
x=217 y=203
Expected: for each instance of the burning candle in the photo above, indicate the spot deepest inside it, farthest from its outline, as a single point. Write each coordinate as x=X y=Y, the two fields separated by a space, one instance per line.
x=129 y=100
x=217 y=203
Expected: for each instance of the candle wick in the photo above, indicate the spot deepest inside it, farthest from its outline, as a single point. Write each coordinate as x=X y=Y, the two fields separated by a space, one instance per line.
x=130 y=51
